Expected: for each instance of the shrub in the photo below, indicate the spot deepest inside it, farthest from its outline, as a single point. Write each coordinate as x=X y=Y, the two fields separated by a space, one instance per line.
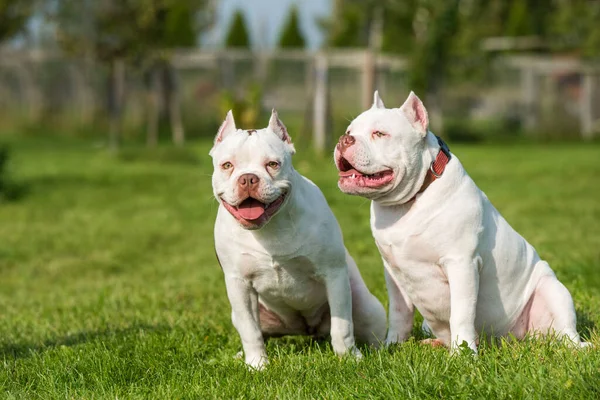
x=246 y=106
x=9 y=190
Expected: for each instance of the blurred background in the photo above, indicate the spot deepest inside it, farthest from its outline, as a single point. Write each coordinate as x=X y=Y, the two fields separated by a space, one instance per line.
x=146 y=71
x=109 y=285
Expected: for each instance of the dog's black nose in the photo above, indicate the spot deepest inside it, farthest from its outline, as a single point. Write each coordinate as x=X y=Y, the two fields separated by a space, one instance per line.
x=249 y=180
x=346 y=140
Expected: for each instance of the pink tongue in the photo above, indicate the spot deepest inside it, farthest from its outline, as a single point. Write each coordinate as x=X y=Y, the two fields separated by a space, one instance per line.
x=349 y=173
x=251 y=209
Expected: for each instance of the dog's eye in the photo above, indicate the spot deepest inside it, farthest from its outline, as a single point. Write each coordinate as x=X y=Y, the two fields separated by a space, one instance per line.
x=227 y=165
x=379 y=134
x=273 y=164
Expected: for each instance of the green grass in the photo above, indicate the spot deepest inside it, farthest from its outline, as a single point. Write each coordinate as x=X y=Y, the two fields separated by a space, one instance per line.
x=109 y=287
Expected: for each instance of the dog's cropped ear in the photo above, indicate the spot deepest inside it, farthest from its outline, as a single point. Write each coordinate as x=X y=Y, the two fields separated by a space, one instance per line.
x=415 y=112
x=226 y=128
x=377 y=102
x=279 y=128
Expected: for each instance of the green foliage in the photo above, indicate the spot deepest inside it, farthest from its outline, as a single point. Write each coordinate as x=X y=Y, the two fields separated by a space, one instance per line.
x=3 y=165
x=131 y=29
x=9 y=189
x=347 y=33
x=398 y=33
x=245 y=105
x=96 y=28
x=349 y=27
x=238 y=36
x=291 y=35
x=443 y=38
x=110 y=287
x=14 y=15
x=174 y=24
x=517 y=24
x=179 y=26
x=421 y=29
x=430 y=57
x=575 y=27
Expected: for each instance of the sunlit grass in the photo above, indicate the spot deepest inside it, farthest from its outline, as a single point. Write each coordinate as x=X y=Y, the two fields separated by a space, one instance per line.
x=109 y=286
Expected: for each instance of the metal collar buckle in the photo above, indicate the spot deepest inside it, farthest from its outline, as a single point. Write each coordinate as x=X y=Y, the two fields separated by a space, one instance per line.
x=437 y=176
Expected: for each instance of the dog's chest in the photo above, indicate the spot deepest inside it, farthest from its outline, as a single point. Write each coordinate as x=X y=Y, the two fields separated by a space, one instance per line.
x=414 y=264
x=291 y=280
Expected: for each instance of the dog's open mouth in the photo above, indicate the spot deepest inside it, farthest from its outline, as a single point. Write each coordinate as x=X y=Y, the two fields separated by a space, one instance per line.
x=350 y=176
x=252 y=213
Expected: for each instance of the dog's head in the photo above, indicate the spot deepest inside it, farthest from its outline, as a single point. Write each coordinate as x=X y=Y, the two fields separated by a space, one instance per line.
x=382 y=154
x=252 y=170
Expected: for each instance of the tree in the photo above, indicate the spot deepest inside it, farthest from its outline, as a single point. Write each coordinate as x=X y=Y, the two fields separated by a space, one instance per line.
x=104 y=31
x=291 y=35
x=349 y=26
x=399 y=35
x=14 y=15
x=175 y=24
x=430 y=63
x=574 y=27
x=238 y=36
x=116 y=32
x=518 y=24
x=422 y=30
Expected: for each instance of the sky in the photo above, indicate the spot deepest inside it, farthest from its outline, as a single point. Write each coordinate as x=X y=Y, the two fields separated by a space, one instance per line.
x=265 y=19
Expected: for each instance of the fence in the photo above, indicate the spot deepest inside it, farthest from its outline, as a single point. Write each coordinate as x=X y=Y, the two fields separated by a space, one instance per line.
x=554 y=90
x=316 y=93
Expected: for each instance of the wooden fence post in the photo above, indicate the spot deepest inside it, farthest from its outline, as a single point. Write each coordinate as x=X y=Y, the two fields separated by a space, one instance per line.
x=368 y=79
x=320 y=103
x=227 y=72
x=117 y=95
x=153 y=106
x=35 y=99
x=261 y=67
x=586 y=117
x=174 y=106
x=530 y=95
x=89 y=66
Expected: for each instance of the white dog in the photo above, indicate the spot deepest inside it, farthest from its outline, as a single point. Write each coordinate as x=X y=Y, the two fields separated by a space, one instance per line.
x=286 y=269
x=446 y=249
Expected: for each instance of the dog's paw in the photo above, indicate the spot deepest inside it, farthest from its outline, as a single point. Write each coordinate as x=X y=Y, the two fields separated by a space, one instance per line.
x=356 y=354
x=586 y=345
x=433 y=342
x=257 y=363
x=392 y=339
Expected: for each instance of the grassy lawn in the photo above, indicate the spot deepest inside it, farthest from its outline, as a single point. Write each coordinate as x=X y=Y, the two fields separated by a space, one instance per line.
x=109 y=286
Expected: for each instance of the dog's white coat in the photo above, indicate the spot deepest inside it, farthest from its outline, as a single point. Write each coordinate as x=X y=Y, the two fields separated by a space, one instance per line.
x=449 y=252
x=293 y=275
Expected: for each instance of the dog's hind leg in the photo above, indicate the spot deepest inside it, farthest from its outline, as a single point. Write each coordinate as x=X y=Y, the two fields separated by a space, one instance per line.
x=552 y=311
x=367 y=312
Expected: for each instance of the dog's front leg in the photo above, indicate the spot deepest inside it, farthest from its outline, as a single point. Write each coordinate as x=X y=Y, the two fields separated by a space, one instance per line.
x=463 y=280
x=244 y=315
x=401 y=310
x=339 y=297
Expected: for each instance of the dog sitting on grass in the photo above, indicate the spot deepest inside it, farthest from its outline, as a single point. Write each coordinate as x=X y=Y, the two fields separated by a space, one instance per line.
x=286 y=269
x=446 y=250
